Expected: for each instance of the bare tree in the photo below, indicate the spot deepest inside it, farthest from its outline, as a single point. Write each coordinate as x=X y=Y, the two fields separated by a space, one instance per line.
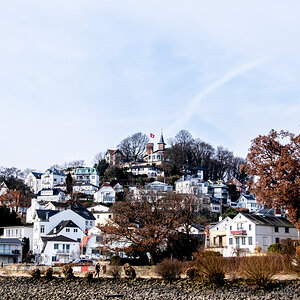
x=134 y=146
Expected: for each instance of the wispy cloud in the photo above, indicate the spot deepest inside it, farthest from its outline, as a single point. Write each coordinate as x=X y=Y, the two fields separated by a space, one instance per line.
x=193 y=106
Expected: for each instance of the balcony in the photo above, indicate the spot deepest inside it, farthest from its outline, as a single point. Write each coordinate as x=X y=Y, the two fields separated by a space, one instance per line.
x=238 y=232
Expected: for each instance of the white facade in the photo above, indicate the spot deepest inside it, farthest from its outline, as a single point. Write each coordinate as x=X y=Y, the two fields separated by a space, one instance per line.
x=248 y=202
x=19 y=232
x=31 y=210
x=158 y=186
x=106 y=194
x=59 y=249
x=34 y=182
x=51 y=178
x=10 y=250
x=3 y=189
x=55 y=195
x=246 y=231
x=46 y=220
x=85 y=188
x=101 y=213
x=148 y=170
x=191 y=185
x=87 y=175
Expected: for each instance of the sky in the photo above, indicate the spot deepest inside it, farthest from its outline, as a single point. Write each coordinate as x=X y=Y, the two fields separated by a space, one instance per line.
x=76 y=77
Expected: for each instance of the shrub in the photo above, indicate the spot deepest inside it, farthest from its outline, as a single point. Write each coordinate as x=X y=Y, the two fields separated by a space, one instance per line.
x=115 y=272
x=232 y=265
x=212 y=268
x=169 y=269
x=35 y=273
x=88 y=276
x=129 y=271
x=115 y=260
x=68 y=272
x=277 y=248
x=192 y=273
x=260 y=269
x=49 y=273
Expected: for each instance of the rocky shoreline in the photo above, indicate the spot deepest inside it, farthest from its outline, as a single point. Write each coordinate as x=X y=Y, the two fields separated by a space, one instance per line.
x=19 y=288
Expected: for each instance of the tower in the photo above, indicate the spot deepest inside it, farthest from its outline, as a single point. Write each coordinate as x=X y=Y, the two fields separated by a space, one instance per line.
x=161 y=144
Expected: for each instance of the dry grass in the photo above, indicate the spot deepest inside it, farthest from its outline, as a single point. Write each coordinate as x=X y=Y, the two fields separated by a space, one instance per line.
x=261 y=269
x=169 y=269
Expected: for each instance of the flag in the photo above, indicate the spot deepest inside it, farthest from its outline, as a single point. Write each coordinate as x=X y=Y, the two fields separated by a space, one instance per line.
x=152 y=135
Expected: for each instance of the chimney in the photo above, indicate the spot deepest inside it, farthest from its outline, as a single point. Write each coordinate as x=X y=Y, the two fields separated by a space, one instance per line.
x=149 y=148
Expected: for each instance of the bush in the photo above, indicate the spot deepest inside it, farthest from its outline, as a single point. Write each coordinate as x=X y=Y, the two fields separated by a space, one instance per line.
x=260 y=269
x=49 y=273
x=192 y=273
x=35 y=273
x=115 y=272
x=212 y=268
x=169 y=269
x=277 y=248
x=115 y=260
x=129 y=271
x=88 y=276
x=68 y=272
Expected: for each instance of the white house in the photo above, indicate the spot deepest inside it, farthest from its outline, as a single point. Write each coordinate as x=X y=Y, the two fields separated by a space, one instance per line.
x=247 y=231
x=54 y=194
x=10 y=250
x=215 y=205
x=34 y=181
x=217 y=235
x=101 y=213
x=59 y=249
x=3 y=188
x=118 y=188
x=19 y=232
x=158 y=186
x=85 y=188
x=51 y=178
x=248 y=202
x=191 y=185
x=46 y=220
x=31 y=210
x=219 y=190
x=145 y=169
x=87 y=175
x=106 y=194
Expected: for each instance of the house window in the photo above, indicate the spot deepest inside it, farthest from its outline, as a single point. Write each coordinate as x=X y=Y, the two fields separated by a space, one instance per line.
x=237 y=240
x=276 y=229
x=68 y=247
x=42 y=229
x=53 y=258
x=75 y=230
x=98 y=216
x=243 y=241
x=86 y=223
x=250 y=240
x=91 y=223
x=230 y=227
x=230 y=241
x=239 y=225
x=109 y=216
x=250 y=227
x=67 y=229
x=277 y=240
x=215 y=240
x=55 y=246
x=286 y=230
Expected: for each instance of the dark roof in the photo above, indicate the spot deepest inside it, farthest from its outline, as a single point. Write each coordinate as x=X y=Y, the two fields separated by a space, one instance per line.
x=11 y=241
x=198 y=226
x=249 y=197
x=83 y=212
x=55 y=172
x=59 y=227
x=56 y=191
x=161 y=141
x=269 y=220
x=37 y=175
x=45 y=214
x=60 y=238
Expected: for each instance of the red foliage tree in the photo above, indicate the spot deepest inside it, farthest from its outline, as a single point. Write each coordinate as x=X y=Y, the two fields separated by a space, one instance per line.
x=275 y=160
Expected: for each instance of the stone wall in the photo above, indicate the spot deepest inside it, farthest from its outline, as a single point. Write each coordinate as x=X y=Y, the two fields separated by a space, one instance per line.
x=141 y=271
